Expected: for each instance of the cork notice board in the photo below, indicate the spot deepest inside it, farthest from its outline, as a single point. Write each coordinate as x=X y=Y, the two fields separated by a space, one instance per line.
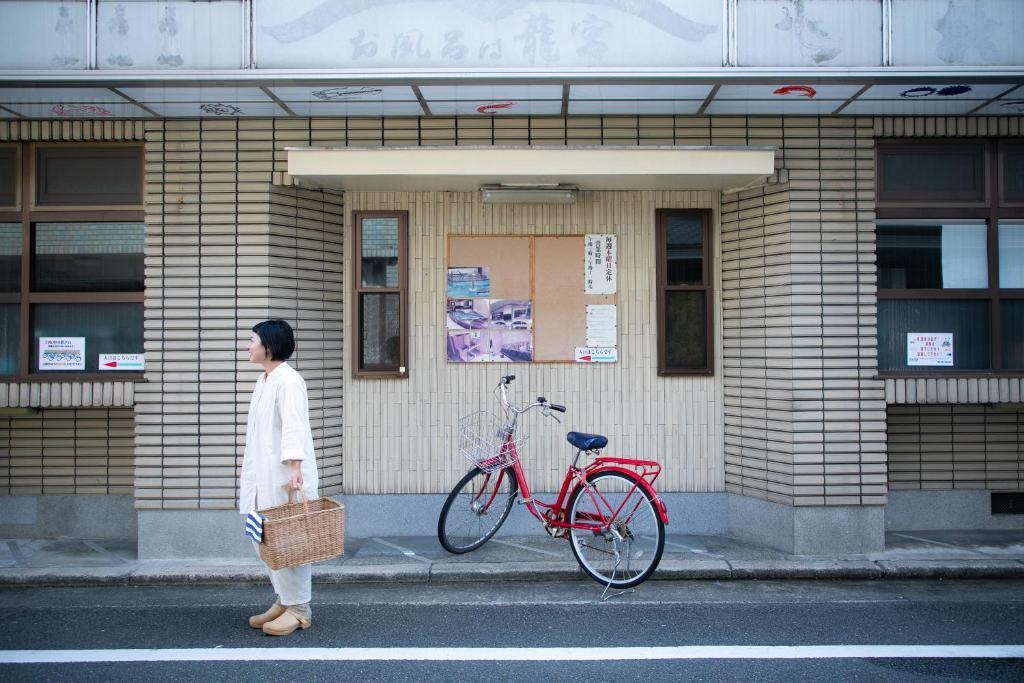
x=545 y=269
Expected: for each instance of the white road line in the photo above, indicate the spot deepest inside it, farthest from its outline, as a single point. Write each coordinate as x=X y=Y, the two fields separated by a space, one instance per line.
x=534 y=654
x=501 y=541
x=938 y=543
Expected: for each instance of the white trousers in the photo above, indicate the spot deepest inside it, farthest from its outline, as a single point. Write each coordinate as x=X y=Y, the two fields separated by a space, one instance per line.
x=293 y=585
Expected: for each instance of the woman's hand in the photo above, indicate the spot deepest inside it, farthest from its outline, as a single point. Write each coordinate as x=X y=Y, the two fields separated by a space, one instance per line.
x=296 y=474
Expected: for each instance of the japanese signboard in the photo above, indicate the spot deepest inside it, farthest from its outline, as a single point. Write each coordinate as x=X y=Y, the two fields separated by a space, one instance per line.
x=585 y=354
x=62 y=353
x=600 y=264
x=122 y=361
x=601 y=325
x=930 y=349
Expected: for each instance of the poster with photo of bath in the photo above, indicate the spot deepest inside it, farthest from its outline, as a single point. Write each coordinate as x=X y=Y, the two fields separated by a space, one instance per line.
x=468 y=346
x=469 y=283
x=468 y=314
x=511 y=314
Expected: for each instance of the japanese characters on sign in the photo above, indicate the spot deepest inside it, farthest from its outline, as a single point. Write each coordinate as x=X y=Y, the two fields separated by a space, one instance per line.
x=62 y=353
x=600 y=264
x=601 y=325
x=930 y=349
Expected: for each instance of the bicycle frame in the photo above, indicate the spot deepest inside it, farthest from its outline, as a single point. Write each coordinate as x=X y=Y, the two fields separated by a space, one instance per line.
x=576 y=477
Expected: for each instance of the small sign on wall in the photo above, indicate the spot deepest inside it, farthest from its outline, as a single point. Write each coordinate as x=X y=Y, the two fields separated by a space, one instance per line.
x=62 y=353
x=122 y=361
x=585 y=354
x=600 y=264
x=933 y=349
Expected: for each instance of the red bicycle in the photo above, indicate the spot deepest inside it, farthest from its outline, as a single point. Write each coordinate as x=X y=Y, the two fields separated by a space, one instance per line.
x=608 y=510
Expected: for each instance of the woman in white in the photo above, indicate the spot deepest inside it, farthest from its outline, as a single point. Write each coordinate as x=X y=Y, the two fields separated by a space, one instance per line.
x=278 y=456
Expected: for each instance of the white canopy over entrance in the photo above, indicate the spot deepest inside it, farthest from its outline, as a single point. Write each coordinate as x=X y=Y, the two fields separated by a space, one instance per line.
x=589 y=168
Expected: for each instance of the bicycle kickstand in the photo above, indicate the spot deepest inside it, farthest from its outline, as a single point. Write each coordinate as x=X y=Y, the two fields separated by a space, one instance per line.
x=604 y=594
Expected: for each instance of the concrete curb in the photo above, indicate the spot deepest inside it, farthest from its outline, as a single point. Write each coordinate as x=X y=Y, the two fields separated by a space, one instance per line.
x=164 y=574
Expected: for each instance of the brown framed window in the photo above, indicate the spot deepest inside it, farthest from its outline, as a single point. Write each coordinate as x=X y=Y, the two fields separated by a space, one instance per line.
x=73 y=272
x=685 y=292
x=925 y=174
x=84 y=175
x=9 y=176
x=953 y=273
x=380 y=301
x=1011 y=174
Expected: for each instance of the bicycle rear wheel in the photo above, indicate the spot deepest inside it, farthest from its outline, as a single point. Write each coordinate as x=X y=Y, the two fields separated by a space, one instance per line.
x=629 y=551
x=476 y=508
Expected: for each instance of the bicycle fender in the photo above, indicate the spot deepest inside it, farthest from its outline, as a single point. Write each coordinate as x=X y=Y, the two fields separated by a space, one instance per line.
x=643 y=483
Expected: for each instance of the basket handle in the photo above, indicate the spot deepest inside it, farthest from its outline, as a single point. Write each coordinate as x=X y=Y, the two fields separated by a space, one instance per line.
x=302 y=494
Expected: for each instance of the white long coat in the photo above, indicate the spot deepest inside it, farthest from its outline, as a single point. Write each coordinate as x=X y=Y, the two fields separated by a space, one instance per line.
x=277 y=430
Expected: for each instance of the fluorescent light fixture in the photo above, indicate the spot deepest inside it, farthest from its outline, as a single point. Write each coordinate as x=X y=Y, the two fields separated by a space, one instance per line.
x=515 y=193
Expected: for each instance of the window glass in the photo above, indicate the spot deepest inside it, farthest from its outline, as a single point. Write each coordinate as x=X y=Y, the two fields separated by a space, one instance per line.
x=1013 y=334
x=379 y=245
x=967 y=320
x=1013 y=174
x=1011 y=254
x=380 y=328
x=932 y=256
x=940 y=173
x=89 y=176
x=684 y=249
x=8 y=176
x=10 y=257
x=685 y=329
x=107 y=328
x=10 y=338
x=88 y=257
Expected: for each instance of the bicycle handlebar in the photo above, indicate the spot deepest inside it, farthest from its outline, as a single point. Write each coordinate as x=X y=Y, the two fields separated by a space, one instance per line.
x=516 y=410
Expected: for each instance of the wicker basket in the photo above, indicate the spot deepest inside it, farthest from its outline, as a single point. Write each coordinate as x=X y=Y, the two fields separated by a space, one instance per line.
x=302 y=532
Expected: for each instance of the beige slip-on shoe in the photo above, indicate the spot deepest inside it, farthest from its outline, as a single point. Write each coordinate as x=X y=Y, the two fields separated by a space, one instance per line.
x=285 y=624
x=274 y=612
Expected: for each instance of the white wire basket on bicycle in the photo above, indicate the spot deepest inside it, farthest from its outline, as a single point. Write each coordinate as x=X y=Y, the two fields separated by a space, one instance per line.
x=482 y=442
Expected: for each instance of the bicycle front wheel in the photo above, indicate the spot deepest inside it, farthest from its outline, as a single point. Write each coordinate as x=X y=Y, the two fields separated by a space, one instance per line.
x=628 y=548
x=476 y=508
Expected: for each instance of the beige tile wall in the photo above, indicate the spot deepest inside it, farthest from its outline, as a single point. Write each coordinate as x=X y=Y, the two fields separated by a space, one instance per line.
x=225 y=249
x=61 y=451
x=941 y=447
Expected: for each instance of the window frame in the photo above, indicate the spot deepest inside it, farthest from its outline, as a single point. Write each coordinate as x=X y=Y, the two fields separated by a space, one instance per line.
x=401 y=371
x=989 y=213
x=28 y=214
x=1004 y=201
x=706 y=286
x=16 y=206
x=931 y=146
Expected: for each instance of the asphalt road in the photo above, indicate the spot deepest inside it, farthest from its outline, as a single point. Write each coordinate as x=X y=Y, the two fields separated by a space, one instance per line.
x=674 y=630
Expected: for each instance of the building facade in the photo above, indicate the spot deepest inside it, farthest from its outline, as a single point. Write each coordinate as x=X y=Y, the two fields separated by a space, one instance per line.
x=817 y=223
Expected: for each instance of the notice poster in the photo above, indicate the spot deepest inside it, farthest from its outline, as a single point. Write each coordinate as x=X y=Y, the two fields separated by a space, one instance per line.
x=469 y=283
x=62 y=353
x=600 y=264
x=122 y=361
x=930 y=349
x=586 y=354
x=602 y=325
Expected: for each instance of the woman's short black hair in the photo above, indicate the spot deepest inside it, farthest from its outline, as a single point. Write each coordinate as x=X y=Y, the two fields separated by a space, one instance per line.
x=277 y=338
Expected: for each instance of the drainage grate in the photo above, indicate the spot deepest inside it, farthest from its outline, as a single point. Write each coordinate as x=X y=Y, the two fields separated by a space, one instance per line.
x=1008 y=503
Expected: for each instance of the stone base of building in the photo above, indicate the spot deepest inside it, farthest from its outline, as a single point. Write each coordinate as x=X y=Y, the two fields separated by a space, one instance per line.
x=838 y=530
x=84 y=516
x=181 y=534
x=937 y=510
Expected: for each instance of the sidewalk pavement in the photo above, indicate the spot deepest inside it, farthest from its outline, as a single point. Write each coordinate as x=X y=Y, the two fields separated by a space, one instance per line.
x=922 y=554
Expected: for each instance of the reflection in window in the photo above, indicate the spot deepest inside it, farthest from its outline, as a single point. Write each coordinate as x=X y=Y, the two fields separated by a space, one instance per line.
x=380 y=326
x=940 y=174
x=107 y=328
x=10 y=338
x=1011 y=254
x=1013 y=175
x=932 y=256
x=89 y=257
x=379 y=252
x=1013 y=334
x=684 y=249
x=10 y=257
x=685 y=331
x=8 y=176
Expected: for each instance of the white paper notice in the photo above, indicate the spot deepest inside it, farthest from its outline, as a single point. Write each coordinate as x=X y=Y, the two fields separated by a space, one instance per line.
x=62 y=353
x=930 y=348
x=596 y=355
x=600 y=264
x=602 y=325
x=122 y=361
